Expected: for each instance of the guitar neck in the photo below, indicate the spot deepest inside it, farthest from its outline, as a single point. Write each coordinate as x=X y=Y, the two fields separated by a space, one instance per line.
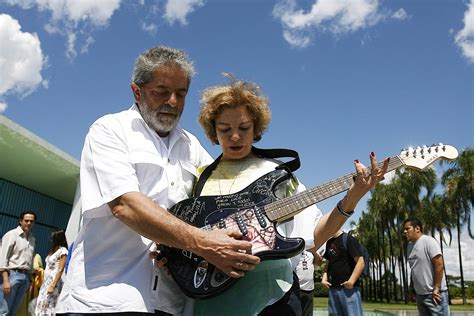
x=288 y=207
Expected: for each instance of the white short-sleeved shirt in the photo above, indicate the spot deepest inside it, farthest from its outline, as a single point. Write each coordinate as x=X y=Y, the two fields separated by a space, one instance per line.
x=305 y=271
x=110 y=270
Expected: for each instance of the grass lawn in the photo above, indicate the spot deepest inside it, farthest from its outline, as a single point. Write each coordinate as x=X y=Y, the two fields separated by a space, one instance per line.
x=322 y=302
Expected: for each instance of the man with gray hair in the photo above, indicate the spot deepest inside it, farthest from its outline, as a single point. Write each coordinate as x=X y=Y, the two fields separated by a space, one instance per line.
x=135 y=164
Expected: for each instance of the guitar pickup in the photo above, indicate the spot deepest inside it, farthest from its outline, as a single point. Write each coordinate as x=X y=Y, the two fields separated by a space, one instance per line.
x=260 y=218
x=240 y=223
x=221 y=224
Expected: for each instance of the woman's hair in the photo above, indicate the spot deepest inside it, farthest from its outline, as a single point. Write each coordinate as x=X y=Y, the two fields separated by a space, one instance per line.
x=157 y=57
x=57 y=240
x=237 y=93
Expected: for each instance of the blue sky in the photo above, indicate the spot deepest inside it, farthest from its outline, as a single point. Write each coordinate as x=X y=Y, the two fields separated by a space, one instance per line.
x=343 y=77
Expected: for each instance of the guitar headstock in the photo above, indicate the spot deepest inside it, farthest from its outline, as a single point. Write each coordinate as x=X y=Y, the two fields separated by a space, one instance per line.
x=422 y=157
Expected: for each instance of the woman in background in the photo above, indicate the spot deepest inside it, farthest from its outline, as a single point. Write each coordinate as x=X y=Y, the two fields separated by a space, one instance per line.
x=52 y=283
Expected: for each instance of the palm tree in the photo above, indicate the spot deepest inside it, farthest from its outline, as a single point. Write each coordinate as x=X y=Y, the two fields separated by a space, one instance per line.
x=438 y=218
x=458 y=180
x=366 y=233
x=393 y=203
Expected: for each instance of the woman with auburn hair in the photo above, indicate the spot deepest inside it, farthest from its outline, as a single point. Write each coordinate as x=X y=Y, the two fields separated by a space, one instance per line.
x=235 y=116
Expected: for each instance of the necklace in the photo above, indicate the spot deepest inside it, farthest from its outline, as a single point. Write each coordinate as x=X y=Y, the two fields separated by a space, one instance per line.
x=244 y=163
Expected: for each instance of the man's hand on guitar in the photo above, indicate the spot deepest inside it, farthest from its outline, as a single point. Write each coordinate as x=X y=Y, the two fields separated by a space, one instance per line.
x=230 y=255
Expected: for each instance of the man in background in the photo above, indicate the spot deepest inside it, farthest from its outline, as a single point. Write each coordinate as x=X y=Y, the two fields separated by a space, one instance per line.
x=426 y=263
x=305 y=272
x=16 y=260
x=343 y=270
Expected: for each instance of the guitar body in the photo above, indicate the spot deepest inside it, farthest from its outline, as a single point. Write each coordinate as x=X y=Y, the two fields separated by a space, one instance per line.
x=243 y=210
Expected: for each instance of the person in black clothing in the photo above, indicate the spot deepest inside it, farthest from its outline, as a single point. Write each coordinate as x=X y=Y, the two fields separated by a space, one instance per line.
x=344 y=268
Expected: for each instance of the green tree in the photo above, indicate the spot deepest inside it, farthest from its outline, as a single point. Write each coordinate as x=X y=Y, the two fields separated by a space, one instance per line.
x=458 y=181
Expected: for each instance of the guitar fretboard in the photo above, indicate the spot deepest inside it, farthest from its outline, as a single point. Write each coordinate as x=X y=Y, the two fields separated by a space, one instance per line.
x=290 y=206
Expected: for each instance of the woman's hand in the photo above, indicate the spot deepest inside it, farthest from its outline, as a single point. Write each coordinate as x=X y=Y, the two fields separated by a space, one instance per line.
x=364 y=181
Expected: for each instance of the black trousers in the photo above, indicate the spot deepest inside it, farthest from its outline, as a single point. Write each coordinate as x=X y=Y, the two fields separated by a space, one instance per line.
x=307 y=302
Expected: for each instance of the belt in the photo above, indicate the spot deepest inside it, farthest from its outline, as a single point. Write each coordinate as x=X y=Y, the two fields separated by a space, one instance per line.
x=20 y=270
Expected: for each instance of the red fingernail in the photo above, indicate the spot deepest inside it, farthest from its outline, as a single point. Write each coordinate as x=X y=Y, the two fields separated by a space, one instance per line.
x=356 y=161
x=372 y=154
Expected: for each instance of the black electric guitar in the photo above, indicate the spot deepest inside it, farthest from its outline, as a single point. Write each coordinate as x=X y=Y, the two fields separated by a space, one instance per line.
x=255 y=211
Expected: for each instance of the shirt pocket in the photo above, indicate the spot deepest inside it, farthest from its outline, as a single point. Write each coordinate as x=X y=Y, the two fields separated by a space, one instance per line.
x=149 y=168
x=146 y=157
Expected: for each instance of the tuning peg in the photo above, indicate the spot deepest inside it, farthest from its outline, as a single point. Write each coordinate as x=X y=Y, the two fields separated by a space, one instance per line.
x=422 y=152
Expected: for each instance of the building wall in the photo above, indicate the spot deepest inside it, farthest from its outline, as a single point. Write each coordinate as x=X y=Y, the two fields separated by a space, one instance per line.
x=51 y=214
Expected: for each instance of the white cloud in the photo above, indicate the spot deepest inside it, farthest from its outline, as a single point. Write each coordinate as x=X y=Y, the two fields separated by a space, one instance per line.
x=21 y=64
x=388 y=177
x=71 y=45
x=336 y=17
x=151 y=28
x=295 y=39
x=88 y=42
x=401 y=14
x=3 y=107
x=24 y=4
x=75 y=20
x=465 y=37
x=178 y=10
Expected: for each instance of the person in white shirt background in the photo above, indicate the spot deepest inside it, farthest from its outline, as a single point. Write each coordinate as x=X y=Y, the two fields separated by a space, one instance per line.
x=305 y=272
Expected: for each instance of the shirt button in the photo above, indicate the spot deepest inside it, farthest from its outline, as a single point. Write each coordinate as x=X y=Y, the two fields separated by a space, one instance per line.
x=172 y=183
x=169 y=160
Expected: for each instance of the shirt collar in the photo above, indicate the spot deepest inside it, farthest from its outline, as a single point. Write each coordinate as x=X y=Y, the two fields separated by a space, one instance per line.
x=20 y=231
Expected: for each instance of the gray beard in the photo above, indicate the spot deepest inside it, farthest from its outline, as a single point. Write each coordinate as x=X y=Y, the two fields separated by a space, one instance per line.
x=154 y=121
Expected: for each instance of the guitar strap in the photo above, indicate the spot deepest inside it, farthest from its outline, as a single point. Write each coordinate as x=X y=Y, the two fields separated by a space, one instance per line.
x=289 y=166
